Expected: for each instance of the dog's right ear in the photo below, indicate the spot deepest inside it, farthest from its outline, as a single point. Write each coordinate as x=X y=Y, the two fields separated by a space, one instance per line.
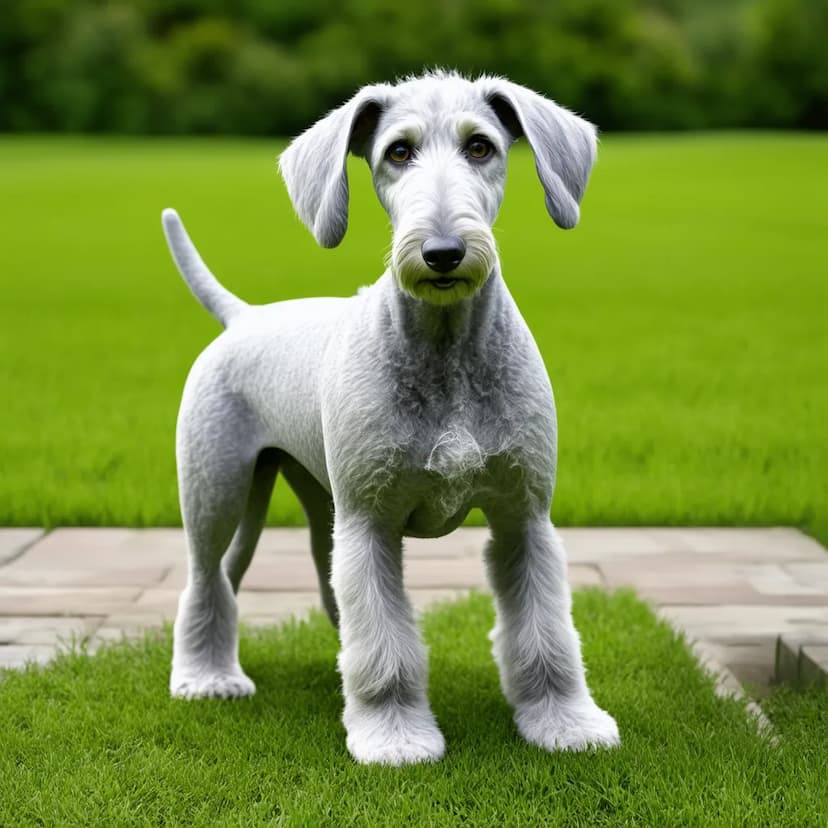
x=314 y=165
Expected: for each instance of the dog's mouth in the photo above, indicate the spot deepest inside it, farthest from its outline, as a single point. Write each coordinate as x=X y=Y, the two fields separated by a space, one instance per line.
x=443 y=282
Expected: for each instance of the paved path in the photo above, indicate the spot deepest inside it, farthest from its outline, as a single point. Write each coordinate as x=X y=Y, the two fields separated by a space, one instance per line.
x=733 y=591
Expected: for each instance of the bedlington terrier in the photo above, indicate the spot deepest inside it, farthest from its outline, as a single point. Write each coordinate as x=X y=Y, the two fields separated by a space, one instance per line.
x=392 y=413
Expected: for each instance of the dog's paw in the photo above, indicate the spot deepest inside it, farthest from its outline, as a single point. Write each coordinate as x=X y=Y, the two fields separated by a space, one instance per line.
x=553 y=724
x=235 y=685
x=392 y=734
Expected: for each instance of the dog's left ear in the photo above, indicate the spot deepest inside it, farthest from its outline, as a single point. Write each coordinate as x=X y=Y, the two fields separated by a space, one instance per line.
x=314 y=165
x=564 y=144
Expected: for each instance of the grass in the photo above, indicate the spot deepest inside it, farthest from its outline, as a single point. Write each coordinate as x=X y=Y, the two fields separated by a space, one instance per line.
x=96 y=741
x=683 y=323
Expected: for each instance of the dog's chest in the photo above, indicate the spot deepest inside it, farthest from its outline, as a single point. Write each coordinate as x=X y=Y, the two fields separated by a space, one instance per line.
x=445 y=476
x=449 y=440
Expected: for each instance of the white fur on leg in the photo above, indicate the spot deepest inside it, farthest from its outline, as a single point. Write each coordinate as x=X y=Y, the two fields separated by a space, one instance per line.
x=205 y=650
x=577 y=724
x=383 y=661
x=536 y=645
x=392 y=733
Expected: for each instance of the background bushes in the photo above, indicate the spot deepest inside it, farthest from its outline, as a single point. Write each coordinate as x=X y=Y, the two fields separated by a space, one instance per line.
x=273 y=66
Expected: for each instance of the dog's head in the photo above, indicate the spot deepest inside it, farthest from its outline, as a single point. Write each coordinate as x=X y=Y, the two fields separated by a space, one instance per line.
x=437 y=148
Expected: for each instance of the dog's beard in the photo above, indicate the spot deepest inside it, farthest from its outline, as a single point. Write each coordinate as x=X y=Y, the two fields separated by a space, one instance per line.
x=417 y=279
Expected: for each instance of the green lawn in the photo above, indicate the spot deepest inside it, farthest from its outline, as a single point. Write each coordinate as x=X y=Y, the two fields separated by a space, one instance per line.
x=683 y=323
x=97 y=741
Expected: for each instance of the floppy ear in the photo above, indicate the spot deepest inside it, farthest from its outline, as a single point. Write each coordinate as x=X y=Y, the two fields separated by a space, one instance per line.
x=564 y=144
x=314 y=165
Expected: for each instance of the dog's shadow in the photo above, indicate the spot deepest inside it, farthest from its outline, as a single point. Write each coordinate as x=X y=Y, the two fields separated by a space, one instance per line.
x=299 y=691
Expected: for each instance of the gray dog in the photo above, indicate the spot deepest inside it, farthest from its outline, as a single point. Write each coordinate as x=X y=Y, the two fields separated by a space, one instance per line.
x=392 y=413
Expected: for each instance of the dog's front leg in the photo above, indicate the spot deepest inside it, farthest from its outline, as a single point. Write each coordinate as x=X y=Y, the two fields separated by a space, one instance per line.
x=535 y=643
x=382 y=658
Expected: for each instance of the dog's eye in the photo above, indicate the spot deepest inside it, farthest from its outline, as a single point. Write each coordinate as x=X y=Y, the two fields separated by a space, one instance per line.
x=399 y=153
x=479 y=148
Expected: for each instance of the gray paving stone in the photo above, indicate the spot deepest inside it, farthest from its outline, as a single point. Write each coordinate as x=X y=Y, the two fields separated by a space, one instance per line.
x=291 y=541
x=724 y=594
x=45 y=629
x=772 y=544
x=696 y=570
x=106 y=633
x=462 y=543
x=789 y=646
x=446 y=573
x=753 y=665
x=588 y=545
x=133 y=620
x=467 y=542
x=774 y=580
x=13 y=656
x=157 y=601
x=268 y=571
x=277 y=605
x=296 y=572
x=14 y=540
x=423 y=599
x=813 y=574
x=786 y=661
x=738 y=621
x=585 y=575
x=671 y=570
x=731 y=590
x=40 y=601
x=106 y=546
x=96 y=557
x=813 y=665
x=18 y=574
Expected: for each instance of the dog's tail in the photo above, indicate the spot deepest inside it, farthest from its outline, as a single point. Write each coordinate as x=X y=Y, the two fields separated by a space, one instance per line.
x=205 y=287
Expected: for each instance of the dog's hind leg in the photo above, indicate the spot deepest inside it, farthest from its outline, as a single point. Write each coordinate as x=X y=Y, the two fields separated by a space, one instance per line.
x=217 y=448
x=240 y=553
x=319 y=511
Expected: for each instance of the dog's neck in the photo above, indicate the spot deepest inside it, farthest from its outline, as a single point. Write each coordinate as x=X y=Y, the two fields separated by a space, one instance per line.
x=444 y=328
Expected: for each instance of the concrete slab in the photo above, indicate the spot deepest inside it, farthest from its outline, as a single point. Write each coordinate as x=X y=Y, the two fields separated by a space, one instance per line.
x=97 y=557
x=789 y=654
x=813 y=665
x=737 y=621
x=45 y=629
x=772 y=544
x=19 y=575
x=15 y=656
x=13 y=541
x=105 y=547
x=277 y=605
x=813 y=575
x=42 y=601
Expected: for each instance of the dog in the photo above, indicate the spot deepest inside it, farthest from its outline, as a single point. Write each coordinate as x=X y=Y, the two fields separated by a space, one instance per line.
x=391 y=414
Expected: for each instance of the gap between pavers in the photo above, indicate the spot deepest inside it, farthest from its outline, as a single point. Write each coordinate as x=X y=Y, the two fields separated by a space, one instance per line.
x=732 y=592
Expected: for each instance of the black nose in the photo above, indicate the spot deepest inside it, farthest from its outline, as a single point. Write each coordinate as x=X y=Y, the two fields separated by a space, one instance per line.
x=443 y=254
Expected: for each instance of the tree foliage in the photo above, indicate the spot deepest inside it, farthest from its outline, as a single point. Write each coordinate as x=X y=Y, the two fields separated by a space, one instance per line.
x=272 y=66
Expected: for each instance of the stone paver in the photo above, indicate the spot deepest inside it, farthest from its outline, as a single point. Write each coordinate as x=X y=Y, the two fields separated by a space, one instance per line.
x=813 y=668
x=731 y=591
x=802 y=656
x=15 y=541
